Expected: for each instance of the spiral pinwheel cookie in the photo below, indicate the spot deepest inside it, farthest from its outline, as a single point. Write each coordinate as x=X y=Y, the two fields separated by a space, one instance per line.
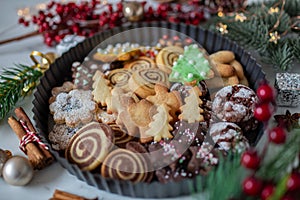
x=119 y=78
x=123 y=164
x=167 y=56
x=90 y=145
x=142 y=81
x=142 y=62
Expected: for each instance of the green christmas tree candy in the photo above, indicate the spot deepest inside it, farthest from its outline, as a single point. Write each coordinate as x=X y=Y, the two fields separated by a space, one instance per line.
x=191 y=66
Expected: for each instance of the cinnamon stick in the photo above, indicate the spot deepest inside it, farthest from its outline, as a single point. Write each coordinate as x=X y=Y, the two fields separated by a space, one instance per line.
x=61 y=195
x=38 y=156
x=21 y=114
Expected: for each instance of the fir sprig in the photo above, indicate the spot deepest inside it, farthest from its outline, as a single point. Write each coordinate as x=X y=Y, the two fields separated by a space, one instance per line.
x=254 y=32
x=276 y=168
x=15 y=84
x=223 y=181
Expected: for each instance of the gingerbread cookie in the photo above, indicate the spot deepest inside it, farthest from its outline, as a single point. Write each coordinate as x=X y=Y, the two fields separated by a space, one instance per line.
x=191 y=110
x=142 y=81
x=167 y=56
x=90 y=145
x=171 y=99
x=160 y=126
x=101 y=90
x=73 y=108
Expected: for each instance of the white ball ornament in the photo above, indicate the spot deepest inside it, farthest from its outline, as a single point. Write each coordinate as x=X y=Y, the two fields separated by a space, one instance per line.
x=17 y=171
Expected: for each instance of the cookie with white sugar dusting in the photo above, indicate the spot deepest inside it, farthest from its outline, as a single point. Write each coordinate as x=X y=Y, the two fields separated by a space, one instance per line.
x=228 y=136
x=236 y=104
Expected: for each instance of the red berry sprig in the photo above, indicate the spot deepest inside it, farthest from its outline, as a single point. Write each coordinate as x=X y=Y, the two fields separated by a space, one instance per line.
x=255 y=185
x=88 y=17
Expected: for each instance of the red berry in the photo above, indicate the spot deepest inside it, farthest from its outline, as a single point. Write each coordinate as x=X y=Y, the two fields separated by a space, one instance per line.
x=265 y=93
x=21 y=20
x=26 y=23
x=277 y=135
x=267 y=191
x=263 y=112
x=293 y=183
x=287 y=197
x=252 y=186
x=250 y=159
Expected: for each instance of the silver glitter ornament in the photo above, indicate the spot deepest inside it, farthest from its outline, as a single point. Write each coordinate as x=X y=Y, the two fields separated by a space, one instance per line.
x=133 y=10
x=4 y=156
x=17 y=171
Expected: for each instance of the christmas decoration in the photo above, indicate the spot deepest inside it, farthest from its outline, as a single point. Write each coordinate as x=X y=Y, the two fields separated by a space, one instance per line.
x=270 y=28
x=4 y=156
x=37 y=152
x=260 y=173
x=17 y=171
x=133 y=10
x=288 y=120
x=18 y=82
x=288 y=89
x=85 y=18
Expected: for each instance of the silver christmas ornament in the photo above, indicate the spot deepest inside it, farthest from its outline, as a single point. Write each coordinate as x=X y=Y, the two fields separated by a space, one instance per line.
x=4 y=156
x=17 y=171
x=133 y=10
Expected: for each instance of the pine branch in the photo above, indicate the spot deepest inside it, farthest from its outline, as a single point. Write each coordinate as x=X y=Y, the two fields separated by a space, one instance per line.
x=14 y=84
x=225 y=179
x=276 y=169
x=251 y=34
x=280 y=55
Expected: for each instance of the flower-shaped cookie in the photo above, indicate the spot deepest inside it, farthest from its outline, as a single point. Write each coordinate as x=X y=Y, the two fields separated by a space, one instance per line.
x=73 y=107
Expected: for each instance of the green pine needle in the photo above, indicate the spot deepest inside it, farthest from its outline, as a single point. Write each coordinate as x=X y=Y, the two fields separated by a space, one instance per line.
x=280 y=55
x=275 y=169
x=16 y=83
x=224 y=181
x=253 y=33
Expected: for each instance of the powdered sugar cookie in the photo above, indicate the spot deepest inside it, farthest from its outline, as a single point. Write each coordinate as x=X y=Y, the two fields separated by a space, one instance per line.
x=73 y=108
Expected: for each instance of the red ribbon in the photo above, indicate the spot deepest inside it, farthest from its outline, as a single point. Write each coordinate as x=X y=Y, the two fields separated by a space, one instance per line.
x=29 y=137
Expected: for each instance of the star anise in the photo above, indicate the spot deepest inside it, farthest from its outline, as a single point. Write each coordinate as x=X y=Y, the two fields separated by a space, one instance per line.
x=290 y=121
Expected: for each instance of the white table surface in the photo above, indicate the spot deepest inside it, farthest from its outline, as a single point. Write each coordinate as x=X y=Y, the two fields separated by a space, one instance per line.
x=53 y=177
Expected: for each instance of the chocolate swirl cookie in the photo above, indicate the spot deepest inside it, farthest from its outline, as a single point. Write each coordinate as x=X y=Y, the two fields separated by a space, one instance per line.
x=142 y=81
x=90 y=145
x=167 y=56
x=123 y=164
x=142 y=62
x=119 y=78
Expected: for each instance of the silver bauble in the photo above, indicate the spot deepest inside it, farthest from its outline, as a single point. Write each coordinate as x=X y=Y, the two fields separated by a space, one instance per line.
x=133 y=10
x=4 y=156
x=17 y=171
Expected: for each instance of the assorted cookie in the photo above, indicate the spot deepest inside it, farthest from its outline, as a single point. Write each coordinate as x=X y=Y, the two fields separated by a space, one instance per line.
x=144 y=114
